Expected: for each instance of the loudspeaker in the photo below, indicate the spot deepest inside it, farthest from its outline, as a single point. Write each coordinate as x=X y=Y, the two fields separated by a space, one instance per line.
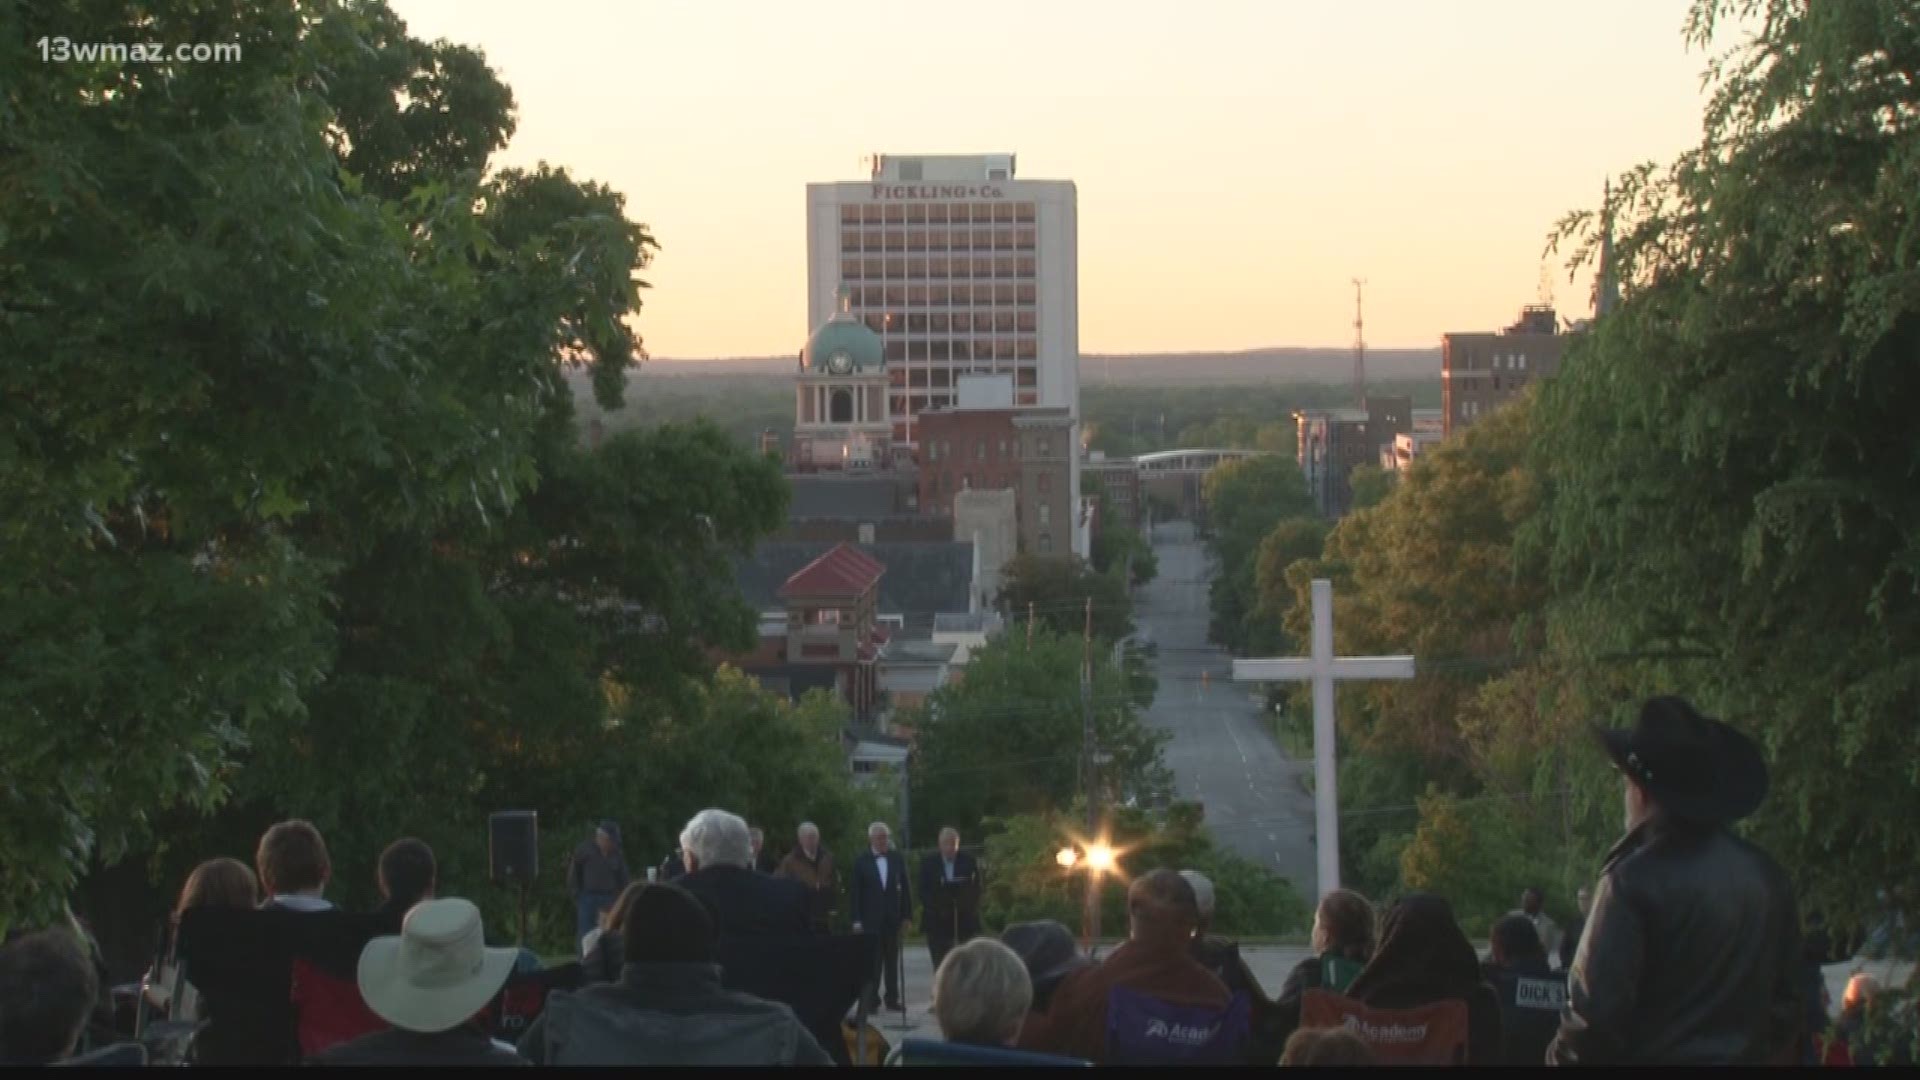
x=513 y=846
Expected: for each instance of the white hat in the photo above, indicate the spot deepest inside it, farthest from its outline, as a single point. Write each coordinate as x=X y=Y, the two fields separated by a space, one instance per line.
x=438 y=973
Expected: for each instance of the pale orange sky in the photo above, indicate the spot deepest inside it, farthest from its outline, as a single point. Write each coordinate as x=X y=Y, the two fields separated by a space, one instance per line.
x=1237 y=163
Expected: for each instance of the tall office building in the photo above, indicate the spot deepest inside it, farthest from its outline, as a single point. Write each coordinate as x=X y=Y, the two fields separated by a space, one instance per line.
x=962 y=269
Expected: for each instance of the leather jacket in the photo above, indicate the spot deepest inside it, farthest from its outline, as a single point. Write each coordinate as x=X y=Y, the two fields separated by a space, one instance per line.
x=1691 y=955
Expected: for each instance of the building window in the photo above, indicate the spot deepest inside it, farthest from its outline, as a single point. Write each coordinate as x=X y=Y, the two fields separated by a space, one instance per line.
x=1003 y=449
x=840 y=411
x=1523 y=361
x=1046 y=544
x=1045 y=482
x=1046 y=515
x=1045 y=449
x=980 y=450
x=966 y=481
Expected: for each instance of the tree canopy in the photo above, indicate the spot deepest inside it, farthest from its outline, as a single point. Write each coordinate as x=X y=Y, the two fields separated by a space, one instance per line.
x=1007 y=737
x=1245 y=501
x=1731 y=453
x=299 y=522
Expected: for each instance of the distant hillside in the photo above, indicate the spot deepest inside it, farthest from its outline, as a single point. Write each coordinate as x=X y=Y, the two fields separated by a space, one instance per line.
x=1254 y=367
x=1250 y=367
x=1131 y=404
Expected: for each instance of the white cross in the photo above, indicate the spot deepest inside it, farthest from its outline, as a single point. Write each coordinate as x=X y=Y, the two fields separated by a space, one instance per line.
x=1322 y=669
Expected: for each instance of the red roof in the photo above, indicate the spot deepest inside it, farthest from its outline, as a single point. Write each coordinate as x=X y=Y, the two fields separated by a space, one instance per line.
x=843 y=571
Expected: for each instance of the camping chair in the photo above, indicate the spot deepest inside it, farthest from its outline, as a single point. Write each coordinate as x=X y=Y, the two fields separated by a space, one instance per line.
x=1433 y=1034
x=524 y=998
x=938 y=1052
x=1145 y=1030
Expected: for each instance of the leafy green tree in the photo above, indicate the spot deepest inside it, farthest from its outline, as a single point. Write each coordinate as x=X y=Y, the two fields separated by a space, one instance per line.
x=1008 y=738
x=1025 y=881
x=1730 y=452
x=1290 y=541
x=316 y=536
x=1118 y=544
x=227 y=368
x=1055 y=590
x=1370 y=484
x=1245 y=500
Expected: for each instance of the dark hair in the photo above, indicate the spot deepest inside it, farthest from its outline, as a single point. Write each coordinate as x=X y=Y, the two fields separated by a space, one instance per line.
x=1532 y=894
x=1516 y=936
x=292 y=858
x=1347 y=918
x=217 y=883
x=1326 y=1046
x=664 y=924
x=407 y=872
x=47 y=991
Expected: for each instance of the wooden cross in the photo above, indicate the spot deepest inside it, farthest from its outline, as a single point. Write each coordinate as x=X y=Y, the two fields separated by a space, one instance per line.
x=1323 y=669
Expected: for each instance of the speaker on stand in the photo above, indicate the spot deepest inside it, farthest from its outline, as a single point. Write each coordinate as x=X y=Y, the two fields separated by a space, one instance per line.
x=513 y=854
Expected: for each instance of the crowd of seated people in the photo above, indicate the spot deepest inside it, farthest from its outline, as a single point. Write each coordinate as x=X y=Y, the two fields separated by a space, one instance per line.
x=1688 y=953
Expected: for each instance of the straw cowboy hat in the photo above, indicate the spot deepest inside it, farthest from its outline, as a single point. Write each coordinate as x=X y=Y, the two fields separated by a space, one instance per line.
x=1695 y=767
x=438 y=972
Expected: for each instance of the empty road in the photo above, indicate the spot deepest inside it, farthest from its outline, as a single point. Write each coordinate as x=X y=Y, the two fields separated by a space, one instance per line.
x=1223 y=752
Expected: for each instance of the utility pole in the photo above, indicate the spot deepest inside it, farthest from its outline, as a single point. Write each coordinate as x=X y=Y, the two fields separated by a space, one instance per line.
x=1089 y=773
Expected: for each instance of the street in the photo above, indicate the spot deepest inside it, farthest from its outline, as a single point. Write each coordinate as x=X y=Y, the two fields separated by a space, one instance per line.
x=1223 y=752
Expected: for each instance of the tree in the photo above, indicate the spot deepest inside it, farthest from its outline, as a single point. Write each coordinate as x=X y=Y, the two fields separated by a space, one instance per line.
x=1730 y=452
x=1290 y=541
x=217 y=388
x=1369 y=484
x=1008 y=738
x=1026 y=882
x=1056 y=588
x=318 y=538
x=1245 y=499
x=1118 y=543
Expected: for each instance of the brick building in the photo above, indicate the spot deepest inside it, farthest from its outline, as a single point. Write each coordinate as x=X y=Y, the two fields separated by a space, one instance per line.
x=1029 y=451
x=1479 y=372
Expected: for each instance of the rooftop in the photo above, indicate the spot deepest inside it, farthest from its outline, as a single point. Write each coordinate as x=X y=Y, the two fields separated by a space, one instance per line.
x=923 y=578
x=919 y=651
x=843 y=571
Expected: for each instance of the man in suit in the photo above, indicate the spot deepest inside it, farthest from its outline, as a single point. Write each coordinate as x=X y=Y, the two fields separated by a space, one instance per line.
x=882 y=904
x=744 y=903
x=949 y=896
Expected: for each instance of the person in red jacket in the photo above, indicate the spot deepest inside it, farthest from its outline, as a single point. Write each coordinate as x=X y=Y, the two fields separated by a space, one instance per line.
x=1156 y=960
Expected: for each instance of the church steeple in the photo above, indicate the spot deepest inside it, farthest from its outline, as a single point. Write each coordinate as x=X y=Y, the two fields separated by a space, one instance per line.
x=1607 y=290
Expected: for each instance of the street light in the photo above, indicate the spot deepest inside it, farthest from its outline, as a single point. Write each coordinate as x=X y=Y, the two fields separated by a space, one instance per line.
x=1099 y=858
x=1067 y=857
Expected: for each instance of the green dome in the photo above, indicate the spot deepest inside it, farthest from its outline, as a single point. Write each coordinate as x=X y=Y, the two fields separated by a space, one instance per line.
x=844 y=334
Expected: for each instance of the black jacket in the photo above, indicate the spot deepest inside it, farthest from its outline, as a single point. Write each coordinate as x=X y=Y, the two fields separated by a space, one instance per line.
x=747 y=903
x=1691 y=956
x=950 y=908
x=878 y=910
x=1531 y=996
x=460 y=1046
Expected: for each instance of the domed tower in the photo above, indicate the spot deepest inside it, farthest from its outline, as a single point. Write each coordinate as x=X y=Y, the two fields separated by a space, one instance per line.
x=840 y=400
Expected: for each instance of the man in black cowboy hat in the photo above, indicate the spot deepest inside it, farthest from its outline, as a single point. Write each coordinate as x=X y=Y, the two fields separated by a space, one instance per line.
x=1691 y=952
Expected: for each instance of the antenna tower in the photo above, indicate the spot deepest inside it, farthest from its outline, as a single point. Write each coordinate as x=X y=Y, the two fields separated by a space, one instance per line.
x=1359 y=345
